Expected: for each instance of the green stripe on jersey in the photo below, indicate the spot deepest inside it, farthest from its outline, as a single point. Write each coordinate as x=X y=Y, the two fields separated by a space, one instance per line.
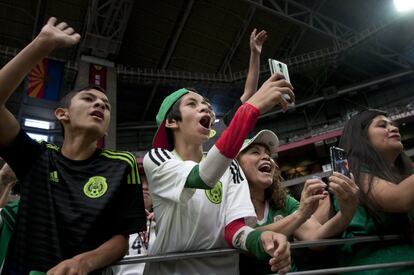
x=194 y=180
x=52 y=146
x=133 y=177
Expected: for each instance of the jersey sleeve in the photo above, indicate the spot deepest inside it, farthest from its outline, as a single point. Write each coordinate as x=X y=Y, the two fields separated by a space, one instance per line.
x=131 y=209
x=291 y=204
x=167 y=175
x=238 y=204
x=21 y=153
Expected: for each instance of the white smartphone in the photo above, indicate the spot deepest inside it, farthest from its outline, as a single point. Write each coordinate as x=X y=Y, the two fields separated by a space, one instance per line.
x=281 y=68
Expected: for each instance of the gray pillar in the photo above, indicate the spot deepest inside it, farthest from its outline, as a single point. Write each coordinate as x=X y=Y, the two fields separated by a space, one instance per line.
x=110 y=140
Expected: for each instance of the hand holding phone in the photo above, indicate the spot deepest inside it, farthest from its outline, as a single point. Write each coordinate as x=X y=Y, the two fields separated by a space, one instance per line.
x=281 y=68
x=339 y=161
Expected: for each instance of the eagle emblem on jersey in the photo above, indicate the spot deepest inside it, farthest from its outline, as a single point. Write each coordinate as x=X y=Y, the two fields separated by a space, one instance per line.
x=212 y=133
x=95 y=187
x=214 y=195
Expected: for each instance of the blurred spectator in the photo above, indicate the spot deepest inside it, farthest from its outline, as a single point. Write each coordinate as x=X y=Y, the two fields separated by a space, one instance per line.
x=139 y=243
x=7 y=181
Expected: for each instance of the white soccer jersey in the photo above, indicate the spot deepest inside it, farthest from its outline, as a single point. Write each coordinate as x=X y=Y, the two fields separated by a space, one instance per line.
x=193 y=219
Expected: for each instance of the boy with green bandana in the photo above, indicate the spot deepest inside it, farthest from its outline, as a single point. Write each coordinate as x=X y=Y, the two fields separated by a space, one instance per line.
x=202 y=202
x=78 y=203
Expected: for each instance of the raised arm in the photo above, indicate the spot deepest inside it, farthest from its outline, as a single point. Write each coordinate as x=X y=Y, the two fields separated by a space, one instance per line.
x=52 y=36
x=390 y=196
x=256 y=43
x=226 y=148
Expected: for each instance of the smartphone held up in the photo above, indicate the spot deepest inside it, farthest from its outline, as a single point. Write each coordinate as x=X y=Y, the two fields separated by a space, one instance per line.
x=276 y=66
x=339 y=161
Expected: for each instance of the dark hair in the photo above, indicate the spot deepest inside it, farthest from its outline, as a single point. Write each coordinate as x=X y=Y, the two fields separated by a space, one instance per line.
x=175 y=114
x=276 y=193
x=67 y=99
x=362 y=155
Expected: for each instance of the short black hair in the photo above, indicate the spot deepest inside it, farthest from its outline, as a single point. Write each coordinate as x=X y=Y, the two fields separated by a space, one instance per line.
x=67 y=99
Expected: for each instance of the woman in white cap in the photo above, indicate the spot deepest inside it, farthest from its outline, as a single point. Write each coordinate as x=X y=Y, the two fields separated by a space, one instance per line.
x=278 y=211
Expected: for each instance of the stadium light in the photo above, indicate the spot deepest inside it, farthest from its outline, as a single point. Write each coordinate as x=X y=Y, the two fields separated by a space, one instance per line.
x=38 y=137
x=404 y=5
x=42 y=124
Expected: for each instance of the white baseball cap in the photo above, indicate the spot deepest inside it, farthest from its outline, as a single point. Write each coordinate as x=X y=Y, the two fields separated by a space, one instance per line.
x=265 y=137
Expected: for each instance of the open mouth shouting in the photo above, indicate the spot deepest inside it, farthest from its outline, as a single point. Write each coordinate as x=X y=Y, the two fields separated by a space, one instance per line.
x=97 y=114
x=205 y=121
x=265 y=168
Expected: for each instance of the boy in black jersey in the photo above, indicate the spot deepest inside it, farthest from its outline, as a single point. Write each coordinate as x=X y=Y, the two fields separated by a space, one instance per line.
x=78 y=203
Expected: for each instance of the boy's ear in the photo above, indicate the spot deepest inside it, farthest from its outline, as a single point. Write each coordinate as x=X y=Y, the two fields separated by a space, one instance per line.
x=61 y=114
x=171 y=123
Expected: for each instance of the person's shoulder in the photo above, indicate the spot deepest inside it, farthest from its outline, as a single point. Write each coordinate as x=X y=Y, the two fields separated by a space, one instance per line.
x=123 y=156
x=158 y=156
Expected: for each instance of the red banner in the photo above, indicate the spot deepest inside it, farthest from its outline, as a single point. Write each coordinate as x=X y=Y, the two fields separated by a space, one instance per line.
x=97 y=76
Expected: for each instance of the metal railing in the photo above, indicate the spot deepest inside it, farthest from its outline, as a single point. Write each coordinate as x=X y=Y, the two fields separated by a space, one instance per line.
x=295 y=245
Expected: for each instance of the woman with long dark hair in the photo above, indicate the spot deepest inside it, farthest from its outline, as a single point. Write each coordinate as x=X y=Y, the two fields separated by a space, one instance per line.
x=384 y=175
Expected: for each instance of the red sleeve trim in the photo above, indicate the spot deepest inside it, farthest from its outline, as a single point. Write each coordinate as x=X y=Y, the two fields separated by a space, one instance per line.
x=231 y=229
x=231 y=140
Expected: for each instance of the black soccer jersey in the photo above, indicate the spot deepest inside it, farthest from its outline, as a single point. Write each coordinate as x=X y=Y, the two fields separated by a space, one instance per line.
x=68 y=207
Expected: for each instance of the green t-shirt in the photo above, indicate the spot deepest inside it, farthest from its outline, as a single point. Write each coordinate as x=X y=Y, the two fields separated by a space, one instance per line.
x=362 y=224
x=291 y=205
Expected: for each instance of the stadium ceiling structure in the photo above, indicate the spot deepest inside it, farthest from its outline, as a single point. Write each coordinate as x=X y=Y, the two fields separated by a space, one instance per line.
x=333 y=48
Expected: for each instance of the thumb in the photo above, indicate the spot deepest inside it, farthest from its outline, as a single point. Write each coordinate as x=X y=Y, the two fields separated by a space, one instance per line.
x=282 y=243
x=268 y=243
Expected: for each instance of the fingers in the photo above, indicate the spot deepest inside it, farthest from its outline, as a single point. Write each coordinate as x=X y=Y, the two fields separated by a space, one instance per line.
x=314 y=186
x=52 y=21
x=261 y=36
x=281 y=267
x=275 y=77
x=279 y=81
x=62 y=25
x=284 y=83
x=69 y=31
x=253 y=34
x=281 y=259
x=76 y=37
x=284 y=104
x=345 y=182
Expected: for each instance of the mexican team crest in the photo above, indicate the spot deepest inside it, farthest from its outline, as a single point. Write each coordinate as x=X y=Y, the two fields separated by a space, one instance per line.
x=95 y=187
x=214 y=195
